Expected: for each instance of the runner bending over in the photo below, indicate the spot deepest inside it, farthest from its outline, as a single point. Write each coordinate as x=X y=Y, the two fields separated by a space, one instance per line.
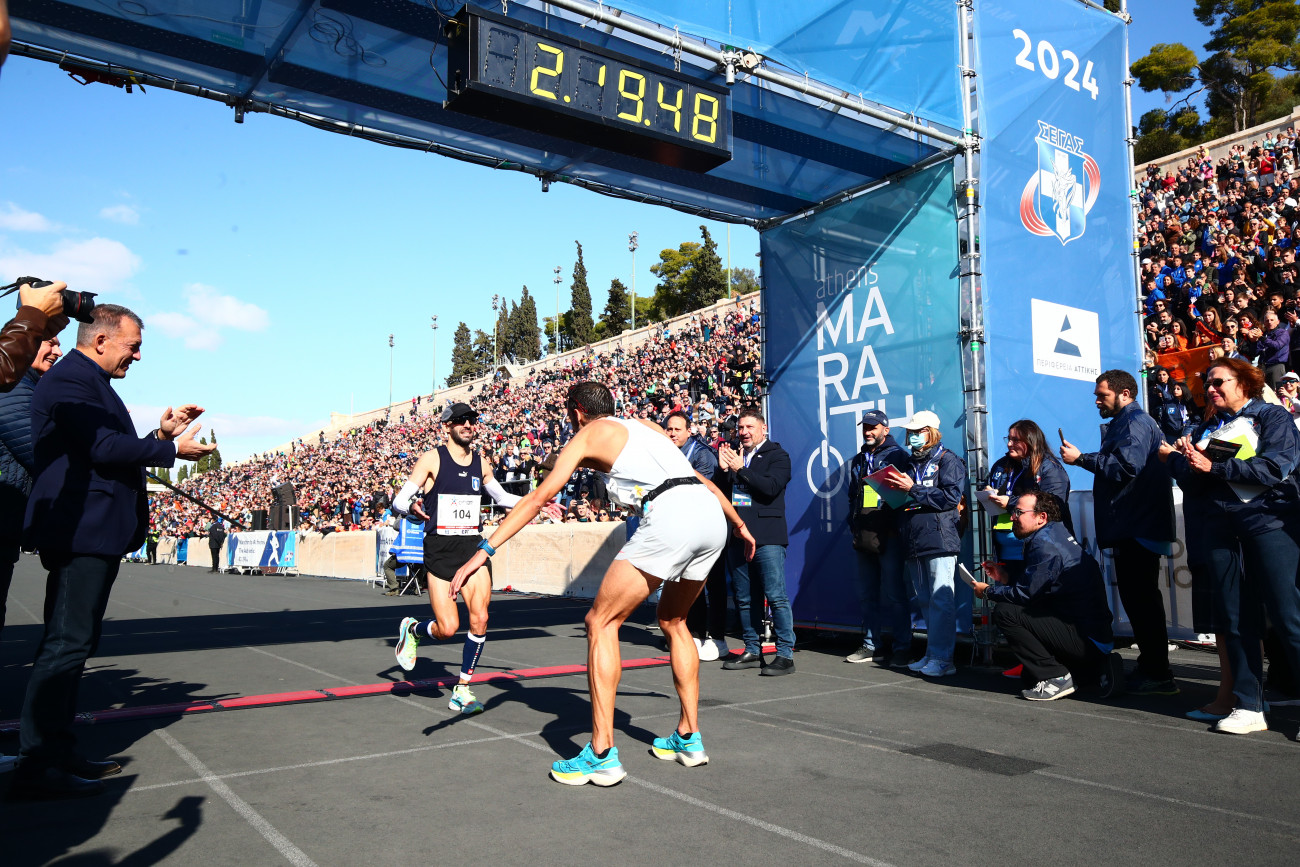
x=683 y=529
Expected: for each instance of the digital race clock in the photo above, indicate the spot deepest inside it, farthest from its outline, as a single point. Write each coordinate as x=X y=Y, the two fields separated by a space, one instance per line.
x=524 y=76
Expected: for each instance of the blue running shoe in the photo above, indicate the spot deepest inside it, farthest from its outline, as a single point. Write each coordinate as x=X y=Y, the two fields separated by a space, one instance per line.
x=586 y=768
x=464 y=701
x=684 y=751
x=408 y=643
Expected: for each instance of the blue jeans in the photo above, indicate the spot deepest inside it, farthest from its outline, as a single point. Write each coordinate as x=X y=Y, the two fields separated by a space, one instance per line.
x=76 y=594
x=1258 y=576
x=769 y=564
x=933 y=577
x=885 y=596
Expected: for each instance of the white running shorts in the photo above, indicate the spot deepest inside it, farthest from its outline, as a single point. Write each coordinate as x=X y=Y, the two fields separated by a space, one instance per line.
x=681 y=537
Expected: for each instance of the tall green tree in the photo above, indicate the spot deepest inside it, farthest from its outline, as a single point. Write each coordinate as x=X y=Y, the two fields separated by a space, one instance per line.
x=183 y=474
x=580 y=323
x=201 y=465
x=214 y=459
x=618 y=311
x=482 y=347
x=690 y=277
x=1250 y=41
x=743 y=281
x=463 y=362
x=523 y=337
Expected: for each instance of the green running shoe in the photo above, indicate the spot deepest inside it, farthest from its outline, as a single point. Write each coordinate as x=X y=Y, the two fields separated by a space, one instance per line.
x=408 y=644
x=685 y=751
x=464 y=701
x=586 y=768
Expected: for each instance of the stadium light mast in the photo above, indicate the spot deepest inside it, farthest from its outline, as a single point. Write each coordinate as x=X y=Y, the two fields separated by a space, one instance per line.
x=389 y=411
x=434 y=326
x=632 y=244
x=496 y=321
x=557 y=309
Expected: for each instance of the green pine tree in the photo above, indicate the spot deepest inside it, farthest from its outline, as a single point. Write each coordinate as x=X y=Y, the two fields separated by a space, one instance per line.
x=618 y=312
x=707 y=281
x=214 y=459
x=463 y=362
x=183 y=474
x=524 y=337
x=580 y=323
x=201 y=465
x=502 y=334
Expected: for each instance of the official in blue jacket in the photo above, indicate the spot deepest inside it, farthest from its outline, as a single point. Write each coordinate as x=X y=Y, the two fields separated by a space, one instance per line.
x=873 y=523
x=1028 y=464
x=86 y=510
x=1133 y=514
x=707 y=619
x=1055 y=617
x=936 y=481
x=1243 y=522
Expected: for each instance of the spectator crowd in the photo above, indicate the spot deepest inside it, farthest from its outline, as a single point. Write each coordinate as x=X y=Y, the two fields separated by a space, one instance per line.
x=1219 y=276
x=707 y=367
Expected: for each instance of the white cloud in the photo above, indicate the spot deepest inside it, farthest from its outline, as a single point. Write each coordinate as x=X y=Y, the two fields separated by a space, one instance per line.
x=15 y=219
x=97 y=265
x=209 y=311
x=121 y=214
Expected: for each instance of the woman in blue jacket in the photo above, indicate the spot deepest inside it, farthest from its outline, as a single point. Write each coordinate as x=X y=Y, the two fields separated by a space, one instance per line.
x=1243 y=522
x=1028 y=464
x=929 y=527
x=1177 y=416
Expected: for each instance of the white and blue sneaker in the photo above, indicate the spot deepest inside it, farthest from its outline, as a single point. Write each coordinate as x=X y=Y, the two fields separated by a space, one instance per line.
x=586 y=768
x=464 y=701
x=408 y=644
x=919 y=664
x=684 y=751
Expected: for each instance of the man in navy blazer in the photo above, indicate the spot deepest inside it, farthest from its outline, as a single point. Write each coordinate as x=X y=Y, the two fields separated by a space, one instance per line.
x=756 y=478
x=86 y=510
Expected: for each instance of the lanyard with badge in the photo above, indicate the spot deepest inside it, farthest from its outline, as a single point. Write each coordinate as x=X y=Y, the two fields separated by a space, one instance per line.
x=740 y=496
x=921 y=475
x=870 y=497
x=1003 y=522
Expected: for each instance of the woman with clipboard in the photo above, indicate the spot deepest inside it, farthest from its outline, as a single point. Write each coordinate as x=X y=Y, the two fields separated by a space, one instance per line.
x=1241 y=506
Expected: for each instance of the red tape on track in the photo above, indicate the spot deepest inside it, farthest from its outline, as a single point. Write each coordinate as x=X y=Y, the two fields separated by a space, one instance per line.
x=273 y=699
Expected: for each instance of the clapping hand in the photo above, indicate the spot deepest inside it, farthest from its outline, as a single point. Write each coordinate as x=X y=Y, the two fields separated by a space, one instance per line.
x=190 y=449
x=175 y=421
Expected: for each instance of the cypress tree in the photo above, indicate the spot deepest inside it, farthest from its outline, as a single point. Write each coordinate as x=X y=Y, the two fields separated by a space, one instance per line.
x=580 y=323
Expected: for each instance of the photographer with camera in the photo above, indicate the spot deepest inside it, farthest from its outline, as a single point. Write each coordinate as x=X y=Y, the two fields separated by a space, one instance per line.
x=41 y=315
x=87 y=509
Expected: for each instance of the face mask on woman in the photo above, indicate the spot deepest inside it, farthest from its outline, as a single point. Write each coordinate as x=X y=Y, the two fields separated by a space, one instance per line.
x=917 y=441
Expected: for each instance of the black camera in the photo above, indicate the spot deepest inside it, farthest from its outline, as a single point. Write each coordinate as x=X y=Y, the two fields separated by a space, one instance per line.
x=76 y=305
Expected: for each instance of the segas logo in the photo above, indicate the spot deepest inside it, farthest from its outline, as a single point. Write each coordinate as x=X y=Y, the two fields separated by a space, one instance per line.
x=1059 y=195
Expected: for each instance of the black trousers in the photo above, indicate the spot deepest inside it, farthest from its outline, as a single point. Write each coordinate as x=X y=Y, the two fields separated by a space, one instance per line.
x=216 y=554
x=708 y=618
x=1137 y=574
x=1046 y=645
x=76 y=594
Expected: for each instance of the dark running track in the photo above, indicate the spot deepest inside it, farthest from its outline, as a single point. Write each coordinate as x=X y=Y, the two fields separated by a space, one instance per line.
x=836 y=764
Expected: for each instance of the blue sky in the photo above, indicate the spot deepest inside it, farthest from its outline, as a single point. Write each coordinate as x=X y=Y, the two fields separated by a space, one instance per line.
x=270 y=261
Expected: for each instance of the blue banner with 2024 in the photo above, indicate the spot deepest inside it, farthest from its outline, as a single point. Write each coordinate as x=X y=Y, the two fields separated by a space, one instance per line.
x=1056 y=222
x=866 y=317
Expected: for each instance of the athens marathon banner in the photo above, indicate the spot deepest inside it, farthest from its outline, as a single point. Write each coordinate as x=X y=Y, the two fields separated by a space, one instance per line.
x=263 y=549
x=863 y=315
x=1058 y=288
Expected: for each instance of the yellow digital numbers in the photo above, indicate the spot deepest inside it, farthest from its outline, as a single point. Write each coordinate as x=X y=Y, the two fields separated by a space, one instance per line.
x=539 y=71
x=625 y=75
x=675 y=108
x=701 y=118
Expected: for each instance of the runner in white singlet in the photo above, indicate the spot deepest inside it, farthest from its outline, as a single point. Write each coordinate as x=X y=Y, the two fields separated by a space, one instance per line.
x=682 y=531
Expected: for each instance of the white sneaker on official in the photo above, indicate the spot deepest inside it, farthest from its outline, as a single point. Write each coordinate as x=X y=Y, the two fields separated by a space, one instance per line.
x=707 y=650
x=1242 y=722
x=919 y=664
x=938 y=668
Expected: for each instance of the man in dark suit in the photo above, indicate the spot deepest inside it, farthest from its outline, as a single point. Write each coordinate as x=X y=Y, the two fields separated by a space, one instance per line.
x=755 y=478
x=86 y=510
x=216 y=538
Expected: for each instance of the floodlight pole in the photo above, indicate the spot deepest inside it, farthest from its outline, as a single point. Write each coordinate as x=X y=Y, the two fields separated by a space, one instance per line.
x=389 y=411
x=495 y=339
x=434 y=326
x=632 y=244
x=557 y=309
